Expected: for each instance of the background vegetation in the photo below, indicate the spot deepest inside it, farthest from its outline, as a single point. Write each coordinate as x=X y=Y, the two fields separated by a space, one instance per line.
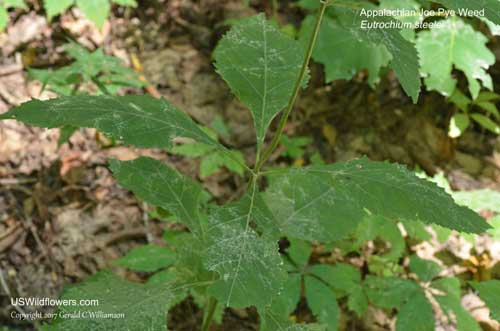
x=64 y=218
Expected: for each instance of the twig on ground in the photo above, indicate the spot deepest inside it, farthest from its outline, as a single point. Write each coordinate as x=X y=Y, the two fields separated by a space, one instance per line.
x=17 y=181
x=8 y=238
x=114 y=237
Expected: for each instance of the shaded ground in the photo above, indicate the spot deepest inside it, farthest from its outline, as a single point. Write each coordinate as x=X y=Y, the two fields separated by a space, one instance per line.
x=62 y=216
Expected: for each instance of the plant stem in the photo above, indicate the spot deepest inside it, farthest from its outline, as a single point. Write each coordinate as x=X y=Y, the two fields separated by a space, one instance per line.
x=100 y=85
x=276 y=139
x=209 y=313
x=262 y=157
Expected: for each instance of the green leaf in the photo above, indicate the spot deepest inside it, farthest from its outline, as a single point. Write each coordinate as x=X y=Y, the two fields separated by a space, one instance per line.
x=455 y=44
x=160 y=185
x=192 y=149
x=98 y=67
x=345 y=280
x=65 y=133
x=190 y=263
x=451 y=305
x=342 y=277
x=250 y=267
x=201 y=300
x=4 y=18
x=479 y=200
x=260 y=65
x=163 y=277
x=210 y=164
x=491 y=7
x=374 y=227
x=233 y=161
x=175 y=238
x=382 y=266
x=147 y=258
x=450 y=286
x=309 y=4
x=219 y=127
x=357 y=301
x=282 y=305
x=270 y=322
x=489 y=292
x=323 y=303
x=404 y=54
x=138 y=120
x=96 y=10
x=416 y=314
x=454 y=310
x=495 y=231
x=416 y=230
x=461 y=100
x=287 y=301
x=294 y=147
x=56 y=7
x=486 y=123
x=326 y=203
x=77 y=51
x=342 y=53
x=494 y=28
x=59 y=80
x=487 y=96
x=426 y=270
x=129 y=3
x=316 y=159
x=458 y=124
x=413 y=5
x=170 y=276
x=131 y=306
x=261 y=216
x=299 y=252
x=489 y=107
x=389 y=292
x=442 y=233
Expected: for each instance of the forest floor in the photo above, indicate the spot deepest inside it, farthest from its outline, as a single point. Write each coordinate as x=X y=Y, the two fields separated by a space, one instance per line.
x=63 y=217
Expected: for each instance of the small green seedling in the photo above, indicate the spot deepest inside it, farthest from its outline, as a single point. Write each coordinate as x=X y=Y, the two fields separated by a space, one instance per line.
x=483 y=111
x=89 y=73
x=294 y=147
x=213 y=159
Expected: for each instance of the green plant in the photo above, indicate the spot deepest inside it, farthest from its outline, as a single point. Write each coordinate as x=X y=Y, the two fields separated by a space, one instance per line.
x=477 y=200
x=468 y=109
x=346 y=49
x=212 y=159
x=327 y=283
x=294 y=146
x=4 y=14
x=89 y=73
x=230 y=256
x=96 y=10
x=414 y=290
x=490 y=292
